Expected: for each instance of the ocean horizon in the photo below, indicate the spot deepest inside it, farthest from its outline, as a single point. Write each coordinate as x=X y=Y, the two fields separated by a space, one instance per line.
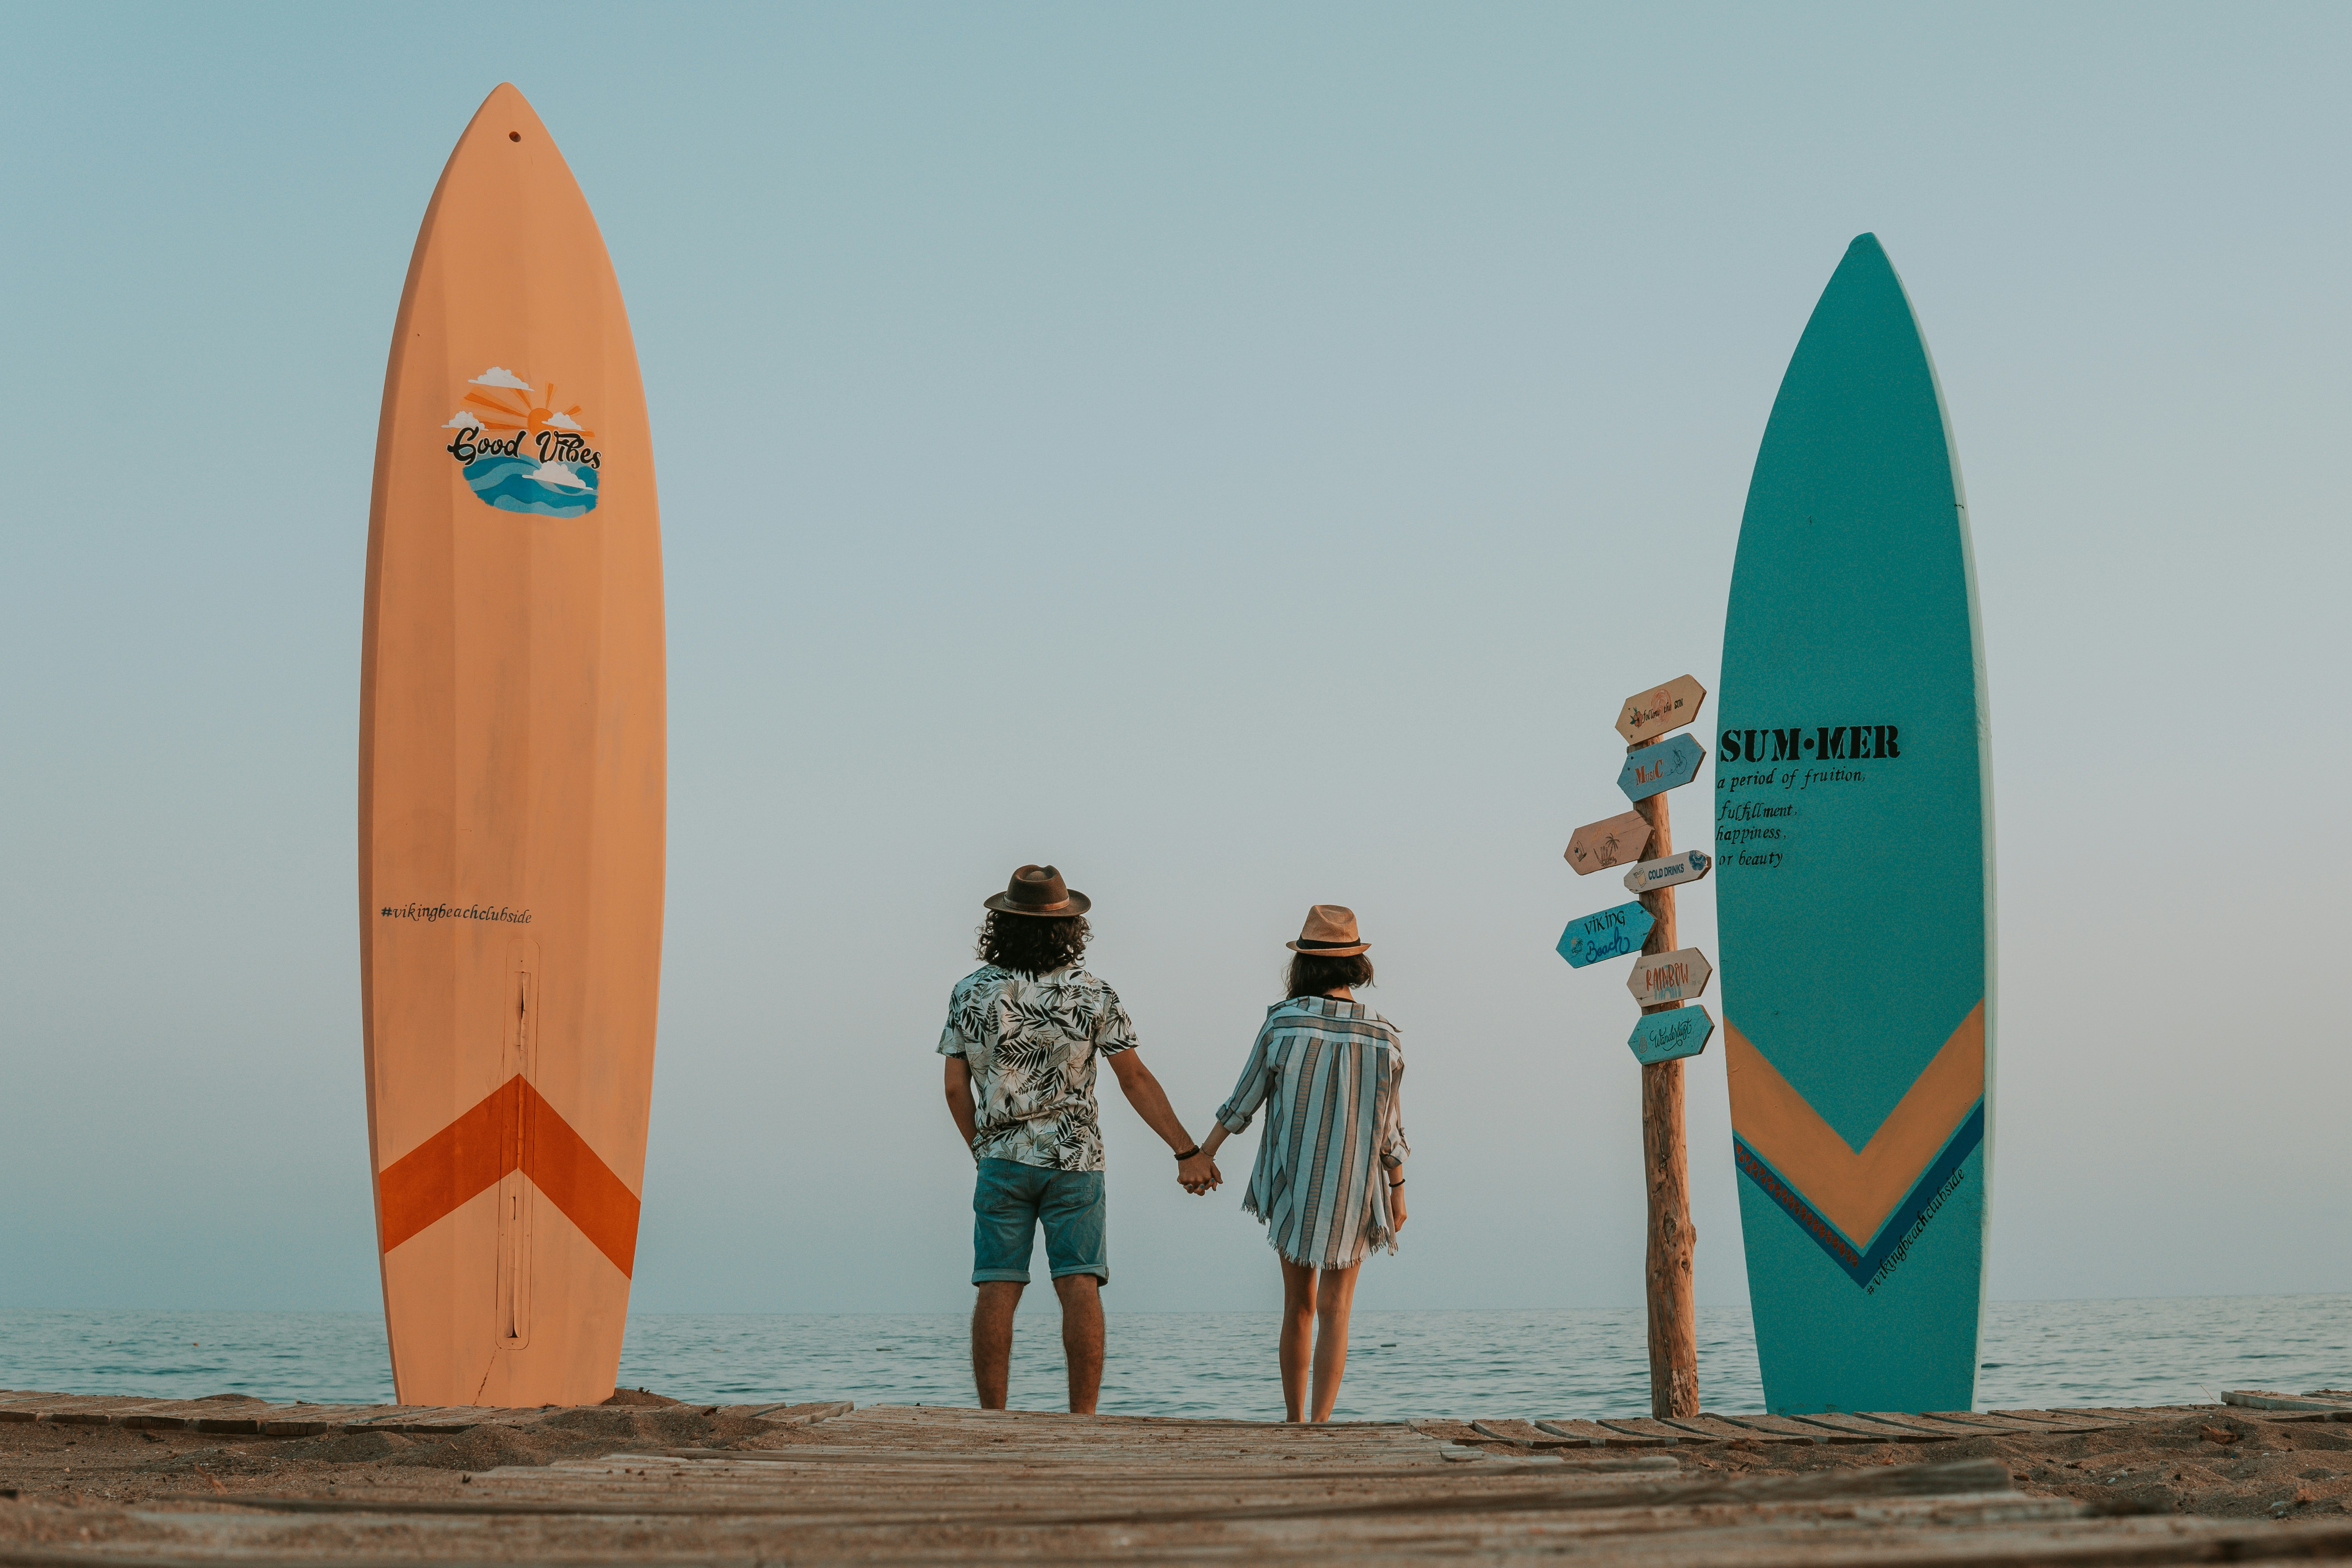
x=1532 y=1363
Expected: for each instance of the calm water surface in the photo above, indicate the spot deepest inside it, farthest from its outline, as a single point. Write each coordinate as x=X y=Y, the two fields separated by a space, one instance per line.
x=1464 y=1363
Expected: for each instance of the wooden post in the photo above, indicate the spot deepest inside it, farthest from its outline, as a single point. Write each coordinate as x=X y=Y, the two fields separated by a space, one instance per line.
x=1665 y=1167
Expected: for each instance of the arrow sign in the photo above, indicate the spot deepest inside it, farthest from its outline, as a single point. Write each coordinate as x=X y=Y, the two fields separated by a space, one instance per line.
x=1660 y=709
x=1655 y=769
x=1666 y=1037
x=1612 y=934
x=1651 y=875
x=1612 y=841
x=1677 y=976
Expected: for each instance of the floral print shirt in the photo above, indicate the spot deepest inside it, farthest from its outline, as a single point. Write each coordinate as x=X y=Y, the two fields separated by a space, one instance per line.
x=1031 y=1041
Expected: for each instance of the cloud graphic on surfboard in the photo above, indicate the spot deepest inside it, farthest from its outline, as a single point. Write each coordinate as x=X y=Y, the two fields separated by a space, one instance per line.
x=498 y=375
x=560 y=473
x=461 y=420
x=563 y=422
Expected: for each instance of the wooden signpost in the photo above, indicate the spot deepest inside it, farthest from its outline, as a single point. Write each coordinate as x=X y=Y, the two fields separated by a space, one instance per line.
x=1670 y=872
x=1671 y=1034
x=1612 y=934
x=1612 y=841
x=1649 y=714
x=1655 y=763
x=1653 y=768
x=1680 y=975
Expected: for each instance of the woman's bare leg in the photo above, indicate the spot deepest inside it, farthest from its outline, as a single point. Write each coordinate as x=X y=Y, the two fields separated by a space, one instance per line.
x=1335 y=1294
x=1297 y=1335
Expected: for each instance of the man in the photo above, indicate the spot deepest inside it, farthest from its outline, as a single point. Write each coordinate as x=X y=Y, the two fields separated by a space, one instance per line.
x=1022 y=1033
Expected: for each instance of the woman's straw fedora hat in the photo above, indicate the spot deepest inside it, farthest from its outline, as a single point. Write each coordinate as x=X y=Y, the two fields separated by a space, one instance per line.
x=1330 y=932
x=1039 y=890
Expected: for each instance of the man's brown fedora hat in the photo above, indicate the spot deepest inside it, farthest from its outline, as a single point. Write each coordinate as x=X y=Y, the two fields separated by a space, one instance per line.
x=1039 y=890
x=1330 y=932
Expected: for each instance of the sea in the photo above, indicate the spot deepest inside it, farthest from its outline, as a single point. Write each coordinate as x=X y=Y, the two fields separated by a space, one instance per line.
x=1535 y=1364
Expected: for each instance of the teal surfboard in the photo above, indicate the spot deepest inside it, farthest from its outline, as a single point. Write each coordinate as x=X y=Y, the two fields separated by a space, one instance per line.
x=1855 y=865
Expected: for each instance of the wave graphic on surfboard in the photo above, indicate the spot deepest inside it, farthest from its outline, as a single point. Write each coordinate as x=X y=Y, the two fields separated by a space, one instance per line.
x=553 y=488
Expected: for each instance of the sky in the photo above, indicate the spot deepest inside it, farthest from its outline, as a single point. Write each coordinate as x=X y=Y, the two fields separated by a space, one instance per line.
x=1242 y=456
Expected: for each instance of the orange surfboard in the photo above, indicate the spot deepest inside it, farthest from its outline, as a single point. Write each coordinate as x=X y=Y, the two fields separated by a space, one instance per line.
x=511 y=789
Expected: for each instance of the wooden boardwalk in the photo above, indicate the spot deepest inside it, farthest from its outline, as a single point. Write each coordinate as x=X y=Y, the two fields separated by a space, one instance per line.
x=898 y=1484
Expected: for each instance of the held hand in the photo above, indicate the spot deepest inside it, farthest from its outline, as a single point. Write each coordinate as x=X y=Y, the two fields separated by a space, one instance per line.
x=1198 y=1175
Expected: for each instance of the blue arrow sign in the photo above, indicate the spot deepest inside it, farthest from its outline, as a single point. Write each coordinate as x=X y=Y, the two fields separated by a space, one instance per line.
x=1655 y=769
x=1676 y=1032
x=1612 y=934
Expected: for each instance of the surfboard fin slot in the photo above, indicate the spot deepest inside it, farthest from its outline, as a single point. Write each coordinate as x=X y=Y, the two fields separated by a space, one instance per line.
x=511 y=1306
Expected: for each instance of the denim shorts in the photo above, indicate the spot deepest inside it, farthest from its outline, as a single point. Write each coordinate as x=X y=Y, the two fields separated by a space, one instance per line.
x=1009 y=1199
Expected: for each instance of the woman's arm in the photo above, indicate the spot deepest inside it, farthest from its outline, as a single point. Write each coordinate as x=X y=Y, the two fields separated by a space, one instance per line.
x=1394 y=1150
x=1249 y=1093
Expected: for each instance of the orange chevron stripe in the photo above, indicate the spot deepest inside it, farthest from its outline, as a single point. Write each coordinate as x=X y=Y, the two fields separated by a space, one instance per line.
x=476 y=1152
x=1854 y=1191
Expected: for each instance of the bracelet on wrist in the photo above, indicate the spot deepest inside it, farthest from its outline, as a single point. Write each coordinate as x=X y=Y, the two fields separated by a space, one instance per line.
x=1189 y=1153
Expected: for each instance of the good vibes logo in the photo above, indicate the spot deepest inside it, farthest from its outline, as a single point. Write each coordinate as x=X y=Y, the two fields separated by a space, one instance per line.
x=520 y=452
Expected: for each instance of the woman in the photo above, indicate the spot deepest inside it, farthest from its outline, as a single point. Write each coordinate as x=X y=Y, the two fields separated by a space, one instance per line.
x=1329 y=1178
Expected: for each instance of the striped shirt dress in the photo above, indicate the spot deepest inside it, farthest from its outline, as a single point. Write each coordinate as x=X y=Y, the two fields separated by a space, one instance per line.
x=1329 y=1074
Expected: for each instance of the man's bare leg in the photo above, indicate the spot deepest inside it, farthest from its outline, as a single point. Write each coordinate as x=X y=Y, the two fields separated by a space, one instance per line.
x=991 y=1339
x=1297 y=1335
x=1335 y=1296
x=1082 y=1339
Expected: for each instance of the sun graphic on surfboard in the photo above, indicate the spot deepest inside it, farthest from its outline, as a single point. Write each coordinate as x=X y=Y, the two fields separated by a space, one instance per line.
x=519 y=451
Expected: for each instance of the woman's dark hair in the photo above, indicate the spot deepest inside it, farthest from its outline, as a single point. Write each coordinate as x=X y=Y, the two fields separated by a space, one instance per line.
x=1313 y=973
x=1032 y=943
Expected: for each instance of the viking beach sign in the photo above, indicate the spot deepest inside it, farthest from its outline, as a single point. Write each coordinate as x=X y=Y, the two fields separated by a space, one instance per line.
x=1655 y=769
x=1612 y=934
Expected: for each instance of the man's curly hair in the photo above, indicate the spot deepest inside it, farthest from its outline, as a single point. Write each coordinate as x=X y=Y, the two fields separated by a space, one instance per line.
x=1032 y=945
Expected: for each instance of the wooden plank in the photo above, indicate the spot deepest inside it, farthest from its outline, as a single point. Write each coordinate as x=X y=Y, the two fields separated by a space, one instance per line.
x=1612 y=841
x=113 y=1413
x=1669 y=764
x=1591 y=1434
x=2263 y=1399
x=1526 y=1435
x=427 y=1420
x=1604 y=1435
x=1443 y=1430
x=1723 y=1431
x=1974 y=1424
x=2057 y=1421
x=1612 y=934
x=1874 y=1430
x=1785 y=1428
x=787 y=1414
x=1649 y=1426
x=1677 y=976
x=315 y=1420
x=1653 y=711
x=1671 y=1034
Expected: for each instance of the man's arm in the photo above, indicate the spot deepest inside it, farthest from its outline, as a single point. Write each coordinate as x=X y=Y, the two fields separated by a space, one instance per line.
x=958 y=1089
x=1151 y=1102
